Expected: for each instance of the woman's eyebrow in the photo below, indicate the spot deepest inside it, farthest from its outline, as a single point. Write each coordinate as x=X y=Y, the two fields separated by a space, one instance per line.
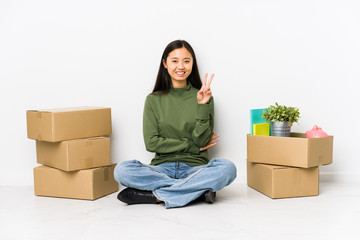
x=177 y=58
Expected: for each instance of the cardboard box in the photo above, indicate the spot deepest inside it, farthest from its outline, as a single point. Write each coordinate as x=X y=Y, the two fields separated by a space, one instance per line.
x=55 y=125
x=283 y=182
x=296 y=150
x=75 y=154
x=87 y=184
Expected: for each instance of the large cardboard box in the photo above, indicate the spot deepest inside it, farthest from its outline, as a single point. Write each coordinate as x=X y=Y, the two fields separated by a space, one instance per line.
x=75 y=154
x=55 y=125
x=283 y=182
x=83 y=184
x=296 y=150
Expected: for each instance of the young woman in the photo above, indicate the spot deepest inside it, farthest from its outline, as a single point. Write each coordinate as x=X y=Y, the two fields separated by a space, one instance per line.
x=178 y=124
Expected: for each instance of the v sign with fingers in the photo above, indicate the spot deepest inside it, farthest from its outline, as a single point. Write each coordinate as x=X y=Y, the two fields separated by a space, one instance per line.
x=204 y=94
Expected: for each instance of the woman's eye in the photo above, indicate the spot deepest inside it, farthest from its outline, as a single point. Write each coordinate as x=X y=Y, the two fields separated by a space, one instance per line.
x=187 y=61
x=174 y=61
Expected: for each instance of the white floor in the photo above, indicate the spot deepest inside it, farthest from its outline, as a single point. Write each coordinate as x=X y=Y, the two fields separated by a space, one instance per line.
x=239 y=213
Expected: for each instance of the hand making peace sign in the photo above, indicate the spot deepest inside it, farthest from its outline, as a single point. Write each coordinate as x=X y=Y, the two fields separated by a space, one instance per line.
x=204 y=94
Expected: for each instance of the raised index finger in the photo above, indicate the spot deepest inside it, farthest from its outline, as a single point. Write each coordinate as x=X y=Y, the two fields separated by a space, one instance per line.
x=205 y=80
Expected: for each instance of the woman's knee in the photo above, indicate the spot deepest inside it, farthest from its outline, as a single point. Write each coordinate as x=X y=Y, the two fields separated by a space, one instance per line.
x=123 y=169
x=226 y=167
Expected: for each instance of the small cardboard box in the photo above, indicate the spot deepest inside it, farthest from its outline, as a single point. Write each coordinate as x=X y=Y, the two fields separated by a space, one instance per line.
x=87 y=184
x=55 y=125
x=295 y=151
x=75 y=154
x=283 y=182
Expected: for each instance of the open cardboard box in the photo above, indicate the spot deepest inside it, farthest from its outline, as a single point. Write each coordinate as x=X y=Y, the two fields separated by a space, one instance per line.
x=296 y=150
x=283 y=182
x=76 y=154
x=55 y=125
x=87 y=184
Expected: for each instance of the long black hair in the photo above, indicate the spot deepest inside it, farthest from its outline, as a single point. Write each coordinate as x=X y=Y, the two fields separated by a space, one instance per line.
x=163 y=82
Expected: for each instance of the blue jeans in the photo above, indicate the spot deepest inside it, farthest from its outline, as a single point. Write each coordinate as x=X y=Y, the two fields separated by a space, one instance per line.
x=176 y=183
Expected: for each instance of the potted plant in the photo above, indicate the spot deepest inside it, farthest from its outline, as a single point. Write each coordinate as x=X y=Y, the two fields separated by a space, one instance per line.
x=281 y=118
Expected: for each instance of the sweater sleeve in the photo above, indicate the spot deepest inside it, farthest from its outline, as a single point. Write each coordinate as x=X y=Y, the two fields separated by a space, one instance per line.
x=204 y=125
x=156 y=143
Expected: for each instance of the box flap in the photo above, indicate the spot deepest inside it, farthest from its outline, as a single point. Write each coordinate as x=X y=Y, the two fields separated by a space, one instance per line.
x=86 y=139
x=69 y=109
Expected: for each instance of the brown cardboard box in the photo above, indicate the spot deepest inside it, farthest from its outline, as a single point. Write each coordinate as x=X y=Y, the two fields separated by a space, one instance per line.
x=55 y=125
x=283 y=182
x=295 y=151
x=83 y=184
x=75 y=154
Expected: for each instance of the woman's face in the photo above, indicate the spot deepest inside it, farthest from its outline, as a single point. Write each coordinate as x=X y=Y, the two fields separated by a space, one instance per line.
x=179 y=65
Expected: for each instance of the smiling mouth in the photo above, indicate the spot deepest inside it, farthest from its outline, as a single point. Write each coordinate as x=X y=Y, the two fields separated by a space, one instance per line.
x=180 y=73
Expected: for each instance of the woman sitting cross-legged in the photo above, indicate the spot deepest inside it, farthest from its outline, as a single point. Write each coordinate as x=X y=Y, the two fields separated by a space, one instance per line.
x=178 y=125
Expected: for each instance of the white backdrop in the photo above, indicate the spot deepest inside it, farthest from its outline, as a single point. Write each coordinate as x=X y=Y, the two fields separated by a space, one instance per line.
x=107 y=53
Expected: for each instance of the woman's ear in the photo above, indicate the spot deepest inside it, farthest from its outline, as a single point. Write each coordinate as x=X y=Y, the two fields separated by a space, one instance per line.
x=164 y=63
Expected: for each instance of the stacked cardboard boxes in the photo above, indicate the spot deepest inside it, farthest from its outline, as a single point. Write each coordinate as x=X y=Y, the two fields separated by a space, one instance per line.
x=72 y=146
x=282 y=167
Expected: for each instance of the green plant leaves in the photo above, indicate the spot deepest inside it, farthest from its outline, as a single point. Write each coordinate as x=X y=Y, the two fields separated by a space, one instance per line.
x=281 y=113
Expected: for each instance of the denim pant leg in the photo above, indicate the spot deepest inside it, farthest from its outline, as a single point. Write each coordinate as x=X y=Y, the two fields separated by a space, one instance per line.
x=141 y=176
x=213 y=176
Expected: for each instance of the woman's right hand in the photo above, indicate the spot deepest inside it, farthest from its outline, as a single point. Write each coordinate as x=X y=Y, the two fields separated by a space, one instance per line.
x=214 y=138
x=204 y=94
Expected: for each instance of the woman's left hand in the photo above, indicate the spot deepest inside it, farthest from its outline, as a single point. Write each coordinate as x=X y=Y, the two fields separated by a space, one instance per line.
x=204 y=94
x=211 y=143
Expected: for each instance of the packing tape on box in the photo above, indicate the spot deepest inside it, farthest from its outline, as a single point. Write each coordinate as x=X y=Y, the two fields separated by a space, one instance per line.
x=39 y=137
x=89 y=162
x=106 y=174
x=88 y=143
x=38 y=115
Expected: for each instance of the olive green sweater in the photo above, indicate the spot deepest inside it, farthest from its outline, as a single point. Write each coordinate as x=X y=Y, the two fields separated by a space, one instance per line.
x=175 y=126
